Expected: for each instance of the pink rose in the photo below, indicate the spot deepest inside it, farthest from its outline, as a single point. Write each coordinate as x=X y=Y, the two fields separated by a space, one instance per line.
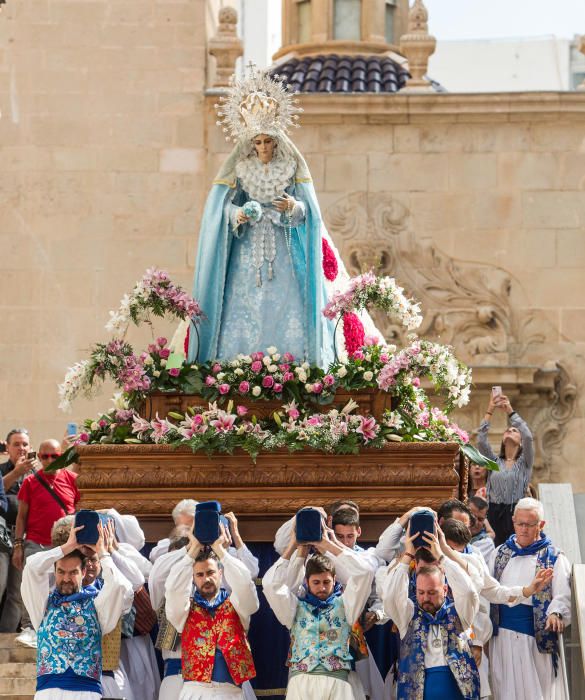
x=416 y=381
x=224 y=388
x=317 y=388
x=257 y=355
x=256 y=366
x=284 y=368
x=358 y=355
x=103 y=423
x=197 y=419
x=293 y=413
x=244 y=387
x=329 y=380
x=288 y=377
x=241 y=410
x=216 y=368
x=165 y=353
x=161 y=341
x=288 y=357
x=268 y=382
x=174 y=372
x=209 y=381
x=384 y=358
x=82 y=437
x=314 y=421
x=277 y=388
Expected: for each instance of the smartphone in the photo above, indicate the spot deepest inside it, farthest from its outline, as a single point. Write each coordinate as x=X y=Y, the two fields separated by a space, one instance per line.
x=422 y=521
x=31 y=455
x=2 y=447
x=496 y=391
x=71 y=429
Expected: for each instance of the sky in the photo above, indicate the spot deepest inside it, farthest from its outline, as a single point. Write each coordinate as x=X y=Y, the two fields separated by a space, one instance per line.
x=486 y=19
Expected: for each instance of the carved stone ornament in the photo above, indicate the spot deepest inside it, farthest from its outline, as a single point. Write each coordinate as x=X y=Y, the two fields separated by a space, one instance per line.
x=581 y=86
x=225 y=46
x=417 y=45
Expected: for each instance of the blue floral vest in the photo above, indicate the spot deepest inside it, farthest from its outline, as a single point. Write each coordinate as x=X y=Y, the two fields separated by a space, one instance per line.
x=411 y=669
x=320 y=637
x=546 y=641
x=70 y=637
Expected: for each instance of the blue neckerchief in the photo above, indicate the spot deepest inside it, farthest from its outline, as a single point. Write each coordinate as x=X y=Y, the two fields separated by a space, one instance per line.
x=439 y=618
x=57 y=599
x=357 y=548
x=211 y=605
x=533 y=548
x=95 y=587
x=319 y=604
x=468 y=549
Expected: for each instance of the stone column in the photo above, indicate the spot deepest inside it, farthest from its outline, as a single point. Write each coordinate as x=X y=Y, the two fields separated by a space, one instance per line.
x=225 y=46
x=582 y=50
x=417 y=45
x=373 y=20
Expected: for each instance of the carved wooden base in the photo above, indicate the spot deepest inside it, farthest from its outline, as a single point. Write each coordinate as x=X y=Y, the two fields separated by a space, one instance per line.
x=148 y=480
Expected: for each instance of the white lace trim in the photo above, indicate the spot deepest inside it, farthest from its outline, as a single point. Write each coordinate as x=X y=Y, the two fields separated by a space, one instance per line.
x=264 y=182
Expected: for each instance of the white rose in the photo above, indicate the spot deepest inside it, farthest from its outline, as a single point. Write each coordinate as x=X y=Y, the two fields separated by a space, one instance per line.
x=271 y=350
x=239 y=372
x=256 y=391
x=148 y=360
x=368 y=376
x=156 y=373
x=309 y=388
x=276 y=357
x=306 y=365
x=341 y=372
x=272 y=368
x=267 y=361
x=163 y=363
x=220 y=376
x=302 y=376
x=95 y=425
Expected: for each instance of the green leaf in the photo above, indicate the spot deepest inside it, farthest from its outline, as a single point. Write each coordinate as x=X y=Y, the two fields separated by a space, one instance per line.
x=68 y=458
x=477 y=458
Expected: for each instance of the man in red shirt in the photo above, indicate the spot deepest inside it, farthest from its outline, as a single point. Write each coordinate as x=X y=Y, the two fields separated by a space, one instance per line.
x=42 y=500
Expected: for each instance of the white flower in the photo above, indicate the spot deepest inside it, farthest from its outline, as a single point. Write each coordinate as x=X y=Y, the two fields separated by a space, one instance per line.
x=368 y=376
x=271 y=350
x=272 y=368
x=256 y=391
x=308 y=388
x=266 y=360
x=148 y=361
x=238 y=372
x=341 y=372
x=163 y=363
x=220 y=376
x=276 y=357
x=120 y=401
x=156 y=373
x=302 y=375
x=95 y=425
x=306 y=366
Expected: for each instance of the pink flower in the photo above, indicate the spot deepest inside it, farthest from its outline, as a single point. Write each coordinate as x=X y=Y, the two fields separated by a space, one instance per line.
x=197 y=419
x=416 y=381
x=358 y=355
x=241 y=410
x=174 y=371
x=103 y=423
x=244 y=387
x=317 y=388
x=288 y=377
x=257 y=356
x=224 y=388
x=284 y=367
x=210 y=381
x=329 y=380
x=165 y=353
x=256 y=366
x=82 y=437
x=371 y=340
x=384 y=357
x=287 y=357
x=315 y=421
x=224 y=422
x=277 y=388
x=268 y=382
x=161 y=341
x=216 y=368
x=368 y=428
x=293 y=413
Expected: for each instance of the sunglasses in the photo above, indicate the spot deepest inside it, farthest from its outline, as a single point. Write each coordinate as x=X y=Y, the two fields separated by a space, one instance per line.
x=49 y=455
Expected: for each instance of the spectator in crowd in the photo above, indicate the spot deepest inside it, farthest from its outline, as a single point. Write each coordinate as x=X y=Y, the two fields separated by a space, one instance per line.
x=482 y=534
x=43 y=499
x=71 y=620
x=436 y=661
x=320 y=621
x=524 y=649
x=183 y=514
x=477 y=481
x=515 y=459
x=200 y=609
x=13 y=472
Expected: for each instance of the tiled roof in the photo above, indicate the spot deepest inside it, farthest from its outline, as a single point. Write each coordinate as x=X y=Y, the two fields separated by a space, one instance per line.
x=333 y=73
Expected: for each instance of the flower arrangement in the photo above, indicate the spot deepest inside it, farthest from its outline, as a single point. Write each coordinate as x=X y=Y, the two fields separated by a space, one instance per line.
x=154 y=294
x=379 y=292
x=253 y=210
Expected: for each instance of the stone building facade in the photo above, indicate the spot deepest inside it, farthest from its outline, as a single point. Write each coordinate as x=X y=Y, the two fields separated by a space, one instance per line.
x=475 y=203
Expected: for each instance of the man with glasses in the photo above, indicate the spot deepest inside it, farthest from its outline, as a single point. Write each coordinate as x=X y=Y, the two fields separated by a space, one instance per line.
x=43 y=499
x=524 y=649
x=12 y=472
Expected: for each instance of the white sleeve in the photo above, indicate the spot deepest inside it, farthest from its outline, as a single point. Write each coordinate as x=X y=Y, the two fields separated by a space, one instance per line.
x=397 y=604
x=561 y=589
x=178 y=588
x=283 y=535
x=35 y=586
x=129 y=570
x=243 y=596
x=482 y=624
x=281 y=599
x=247 y=559
x=159 y=573
x=359 y=583
x=389 y=542
x=114 y=598
x=132 y=553
x=465 y=596
x=160 y=548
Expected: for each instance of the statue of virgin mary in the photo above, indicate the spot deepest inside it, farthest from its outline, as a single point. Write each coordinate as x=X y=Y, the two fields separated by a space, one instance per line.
x=259 y=273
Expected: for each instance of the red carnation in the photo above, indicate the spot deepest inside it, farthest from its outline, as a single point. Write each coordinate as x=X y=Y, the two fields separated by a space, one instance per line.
x=329 y=261
x=353 y=332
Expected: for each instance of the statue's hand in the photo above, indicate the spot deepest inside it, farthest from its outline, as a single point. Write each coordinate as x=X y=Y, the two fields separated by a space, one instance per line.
x=284 y=203
x=241 y=218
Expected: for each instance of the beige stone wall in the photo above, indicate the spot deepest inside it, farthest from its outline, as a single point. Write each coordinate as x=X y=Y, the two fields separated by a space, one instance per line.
x=475 y=203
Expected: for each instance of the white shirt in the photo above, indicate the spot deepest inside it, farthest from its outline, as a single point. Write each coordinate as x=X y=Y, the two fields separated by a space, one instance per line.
x=179 y=588
x=283 y=574
x=400 y=608
x=110 y=603
x=390 y=541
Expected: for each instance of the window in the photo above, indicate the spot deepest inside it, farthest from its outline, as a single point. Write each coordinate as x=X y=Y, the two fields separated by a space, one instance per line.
x=389 y=29
x=304 y=21
x=347 y=20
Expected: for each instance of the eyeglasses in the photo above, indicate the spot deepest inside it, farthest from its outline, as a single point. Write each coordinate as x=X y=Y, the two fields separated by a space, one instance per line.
x=49 y=455
x=527 y=525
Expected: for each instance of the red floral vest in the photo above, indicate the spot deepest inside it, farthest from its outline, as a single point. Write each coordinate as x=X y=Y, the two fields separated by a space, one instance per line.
x=203 y=633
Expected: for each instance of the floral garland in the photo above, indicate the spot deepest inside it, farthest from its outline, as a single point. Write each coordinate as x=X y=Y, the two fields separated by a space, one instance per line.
x=380 y=292
x=154 y=294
